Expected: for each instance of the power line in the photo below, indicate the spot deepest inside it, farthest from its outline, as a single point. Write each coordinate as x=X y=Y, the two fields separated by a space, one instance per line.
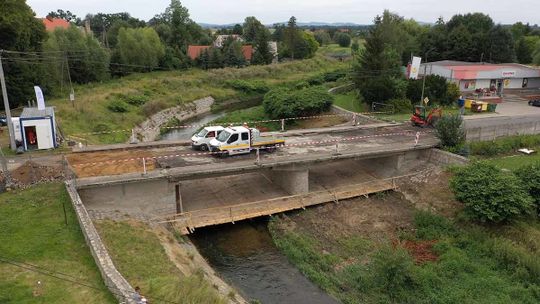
x=70 y=278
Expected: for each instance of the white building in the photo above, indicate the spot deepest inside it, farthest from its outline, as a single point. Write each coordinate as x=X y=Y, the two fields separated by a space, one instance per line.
x=474 y=76
x=37 y=129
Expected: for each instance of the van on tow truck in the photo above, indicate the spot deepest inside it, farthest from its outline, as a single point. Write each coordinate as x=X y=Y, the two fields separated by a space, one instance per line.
x=201 y=140
x=243 y=140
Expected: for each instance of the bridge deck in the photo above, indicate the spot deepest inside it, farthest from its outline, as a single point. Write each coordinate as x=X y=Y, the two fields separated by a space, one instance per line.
x=189 y=221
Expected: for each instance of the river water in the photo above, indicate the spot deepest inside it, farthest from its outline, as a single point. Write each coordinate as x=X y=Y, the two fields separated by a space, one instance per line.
x=186 y=133
x=246 y=257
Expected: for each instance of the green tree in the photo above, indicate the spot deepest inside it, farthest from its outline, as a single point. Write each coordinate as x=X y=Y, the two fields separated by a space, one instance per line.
x=449 y=130
x=252 y=26
x=233 y=55
x=87 y=60
x=343 y=39
x=322 y=37
x=20 y=31
x=489 y=194
x=523 y=51
x=460 y=44
x=66 y=15
x=262 y=53
x=140 y=47
x=292 y=36
x=502 y=45
x=215 y=58
x=377 y=68
x=238 y=30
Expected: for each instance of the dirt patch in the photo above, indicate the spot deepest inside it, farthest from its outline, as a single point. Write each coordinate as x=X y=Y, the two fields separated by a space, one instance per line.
x=378 y=217
x=31 y=173
x=421 y=251
x=111 y=163
x=430 y=191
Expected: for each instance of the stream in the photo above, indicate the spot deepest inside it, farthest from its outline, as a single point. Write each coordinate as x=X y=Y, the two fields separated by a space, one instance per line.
x=186 y=133
x=245 y=256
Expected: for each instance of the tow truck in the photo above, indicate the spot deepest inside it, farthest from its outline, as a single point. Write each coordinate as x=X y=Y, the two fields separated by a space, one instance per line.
x=243 y=140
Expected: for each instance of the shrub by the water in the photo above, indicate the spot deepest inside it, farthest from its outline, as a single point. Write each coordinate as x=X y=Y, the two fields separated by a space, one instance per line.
x=490 y=194
x=285 y=102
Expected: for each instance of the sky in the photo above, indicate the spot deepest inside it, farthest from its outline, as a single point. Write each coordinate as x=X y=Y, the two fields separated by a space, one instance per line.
x=272 y=11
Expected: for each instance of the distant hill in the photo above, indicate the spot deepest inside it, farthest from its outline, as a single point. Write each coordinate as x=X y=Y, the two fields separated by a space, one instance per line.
x=301 y=24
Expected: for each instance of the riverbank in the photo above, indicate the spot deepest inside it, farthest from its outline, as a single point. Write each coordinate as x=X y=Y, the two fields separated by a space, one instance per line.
x=163 y=264
x=411 y=248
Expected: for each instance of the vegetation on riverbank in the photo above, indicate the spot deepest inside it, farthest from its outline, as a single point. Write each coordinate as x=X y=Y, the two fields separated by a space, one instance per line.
x=33 y=231
x=122 y=103
x=139 y=256
x=439 y=261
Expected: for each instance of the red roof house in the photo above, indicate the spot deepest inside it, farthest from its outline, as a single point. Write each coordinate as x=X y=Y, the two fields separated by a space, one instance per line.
x=194 y=51
x=52 y=23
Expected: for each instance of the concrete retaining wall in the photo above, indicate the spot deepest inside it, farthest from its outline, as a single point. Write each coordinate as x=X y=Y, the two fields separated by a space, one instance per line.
x=445 y=158
x=150 y=128
x=486 y=133
x=116 y=283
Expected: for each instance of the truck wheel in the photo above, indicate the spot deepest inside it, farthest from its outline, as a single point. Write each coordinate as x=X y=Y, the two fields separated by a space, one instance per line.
x=271 y=149
x=204 y=148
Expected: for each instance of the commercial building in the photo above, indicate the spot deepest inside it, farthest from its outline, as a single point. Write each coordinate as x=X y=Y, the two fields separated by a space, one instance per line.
x=485 y=78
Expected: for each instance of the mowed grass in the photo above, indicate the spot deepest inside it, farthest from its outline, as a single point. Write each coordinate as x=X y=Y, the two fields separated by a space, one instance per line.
x=33 y=231
x=139 y=256
x=474 y=264
x=350 y=101
x=514 y=162
x=160 y=90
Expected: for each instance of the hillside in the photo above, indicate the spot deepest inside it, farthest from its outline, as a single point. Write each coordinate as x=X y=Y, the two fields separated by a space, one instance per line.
x=124 y=102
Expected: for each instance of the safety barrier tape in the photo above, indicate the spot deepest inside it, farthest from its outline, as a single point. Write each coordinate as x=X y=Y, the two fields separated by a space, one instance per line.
x=231 y=123
x=329 y=141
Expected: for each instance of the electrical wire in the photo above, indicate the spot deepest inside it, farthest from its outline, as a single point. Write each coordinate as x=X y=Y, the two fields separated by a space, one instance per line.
x=70 y=278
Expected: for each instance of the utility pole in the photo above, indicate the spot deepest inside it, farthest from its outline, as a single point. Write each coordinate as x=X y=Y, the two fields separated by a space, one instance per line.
x=6 y=106
x=424 y=78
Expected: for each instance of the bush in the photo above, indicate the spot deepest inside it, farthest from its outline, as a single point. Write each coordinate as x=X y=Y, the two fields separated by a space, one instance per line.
x=530 y=177
x=136 y=100
x=343 y=39
x=489 y=194
x=153 y=107
x=255 y=86
x=392 y=271
x=334 y=75
x=284 y=102
x=398 y=105
x=450 y=131
x=316 y=80
x=117 y=106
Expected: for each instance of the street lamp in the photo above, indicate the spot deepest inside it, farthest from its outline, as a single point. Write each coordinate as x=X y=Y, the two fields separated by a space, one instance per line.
x=424 y=78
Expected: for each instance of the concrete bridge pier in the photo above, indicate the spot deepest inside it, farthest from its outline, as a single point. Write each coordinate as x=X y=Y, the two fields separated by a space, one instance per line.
x=294 y=180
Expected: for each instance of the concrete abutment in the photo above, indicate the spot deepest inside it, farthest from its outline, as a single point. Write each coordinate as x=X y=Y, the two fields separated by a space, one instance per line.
x=294 y=180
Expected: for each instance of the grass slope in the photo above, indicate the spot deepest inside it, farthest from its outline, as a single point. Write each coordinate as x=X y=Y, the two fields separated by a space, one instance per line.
x=144 y=94
x=140 y=257
x=32 y=230
x=475 y=264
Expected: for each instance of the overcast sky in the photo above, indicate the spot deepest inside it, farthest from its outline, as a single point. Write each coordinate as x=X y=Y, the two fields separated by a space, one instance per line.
x=271 y=11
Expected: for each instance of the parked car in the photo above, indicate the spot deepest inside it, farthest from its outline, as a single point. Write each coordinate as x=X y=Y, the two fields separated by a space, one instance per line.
x=534 y=103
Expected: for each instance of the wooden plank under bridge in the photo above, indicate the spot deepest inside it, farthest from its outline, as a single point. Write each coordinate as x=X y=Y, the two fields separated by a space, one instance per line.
x=189 y=221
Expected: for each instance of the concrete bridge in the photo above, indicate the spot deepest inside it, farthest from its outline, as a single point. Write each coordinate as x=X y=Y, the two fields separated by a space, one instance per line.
x=209 y=194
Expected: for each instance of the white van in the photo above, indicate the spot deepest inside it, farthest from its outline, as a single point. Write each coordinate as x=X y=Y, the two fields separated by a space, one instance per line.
x=201 y=140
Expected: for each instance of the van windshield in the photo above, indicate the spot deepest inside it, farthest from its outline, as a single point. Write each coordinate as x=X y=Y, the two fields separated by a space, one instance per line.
x=202 y=133
x=223 y=136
